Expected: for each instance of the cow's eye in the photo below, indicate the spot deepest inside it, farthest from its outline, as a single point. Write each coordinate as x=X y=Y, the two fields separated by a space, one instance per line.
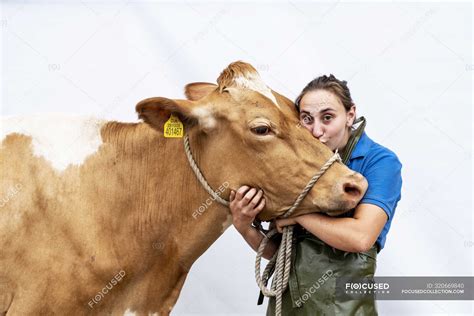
x=261 y=130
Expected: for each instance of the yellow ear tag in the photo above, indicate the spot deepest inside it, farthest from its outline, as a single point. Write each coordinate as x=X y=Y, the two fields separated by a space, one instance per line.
x=173 y=127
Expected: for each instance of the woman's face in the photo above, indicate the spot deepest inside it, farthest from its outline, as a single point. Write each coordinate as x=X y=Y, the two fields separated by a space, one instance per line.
x=324 y=115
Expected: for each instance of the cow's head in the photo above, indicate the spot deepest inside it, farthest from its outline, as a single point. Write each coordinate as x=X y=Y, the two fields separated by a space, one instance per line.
x=244 y=133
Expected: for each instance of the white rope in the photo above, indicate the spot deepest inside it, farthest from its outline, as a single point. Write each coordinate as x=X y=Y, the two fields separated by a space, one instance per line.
x=199 y=175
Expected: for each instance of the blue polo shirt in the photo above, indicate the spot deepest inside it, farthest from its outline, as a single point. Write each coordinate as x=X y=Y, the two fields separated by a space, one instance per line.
x=382 y=169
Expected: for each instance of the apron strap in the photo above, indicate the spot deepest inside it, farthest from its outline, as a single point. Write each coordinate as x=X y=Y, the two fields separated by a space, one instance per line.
x=353 y=139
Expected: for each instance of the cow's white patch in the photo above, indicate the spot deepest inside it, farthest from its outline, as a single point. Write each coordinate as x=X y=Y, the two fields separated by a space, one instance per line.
x=60 y=139
x=206 y=119
x=253 y=81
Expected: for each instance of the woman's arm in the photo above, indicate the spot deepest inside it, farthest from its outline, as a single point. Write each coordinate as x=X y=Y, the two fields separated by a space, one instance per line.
x=245 y=204
x=254 y=238
x=352 y=234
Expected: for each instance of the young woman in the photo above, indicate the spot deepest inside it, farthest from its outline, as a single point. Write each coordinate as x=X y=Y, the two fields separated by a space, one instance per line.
x=327 y=248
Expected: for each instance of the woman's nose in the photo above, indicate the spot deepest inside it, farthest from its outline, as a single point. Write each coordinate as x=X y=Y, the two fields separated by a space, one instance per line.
x=317 y=130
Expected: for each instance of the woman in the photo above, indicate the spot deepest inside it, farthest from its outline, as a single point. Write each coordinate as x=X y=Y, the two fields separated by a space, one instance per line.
x=326 y=248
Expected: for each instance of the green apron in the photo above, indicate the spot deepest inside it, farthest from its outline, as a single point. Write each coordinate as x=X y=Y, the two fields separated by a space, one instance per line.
x=315 y=266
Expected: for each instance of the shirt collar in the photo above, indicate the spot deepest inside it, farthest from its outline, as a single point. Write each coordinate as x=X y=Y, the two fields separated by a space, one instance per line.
x=362 y=146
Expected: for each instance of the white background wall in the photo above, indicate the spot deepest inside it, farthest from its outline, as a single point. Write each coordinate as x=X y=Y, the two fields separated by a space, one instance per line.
x=409 y=67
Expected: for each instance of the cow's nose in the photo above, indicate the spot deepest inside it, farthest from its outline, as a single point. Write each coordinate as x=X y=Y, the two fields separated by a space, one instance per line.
x=354 y=186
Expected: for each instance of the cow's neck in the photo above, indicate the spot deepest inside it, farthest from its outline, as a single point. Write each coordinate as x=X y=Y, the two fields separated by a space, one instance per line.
x=165 y=206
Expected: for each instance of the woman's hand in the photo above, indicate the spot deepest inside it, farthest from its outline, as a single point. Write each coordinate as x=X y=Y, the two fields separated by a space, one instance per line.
x=280 y=223
x=245 y=204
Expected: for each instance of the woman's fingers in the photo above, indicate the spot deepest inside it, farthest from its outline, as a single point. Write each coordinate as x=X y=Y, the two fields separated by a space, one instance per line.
x=261 y=205
x=249 y=196
x=278 y=226
x=241 y=192
x=280 y=223
x=247 y=200
x=256 y=199
x=253 y=211
x=245 y=204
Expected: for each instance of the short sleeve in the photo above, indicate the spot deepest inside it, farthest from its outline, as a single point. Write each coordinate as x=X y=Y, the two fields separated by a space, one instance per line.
x=383 y=175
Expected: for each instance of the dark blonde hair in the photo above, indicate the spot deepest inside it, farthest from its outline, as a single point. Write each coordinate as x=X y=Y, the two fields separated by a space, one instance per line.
x=332 y=84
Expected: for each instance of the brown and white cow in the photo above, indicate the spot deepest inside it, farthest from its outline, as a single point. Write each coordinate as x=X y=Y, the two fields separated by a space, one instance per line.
x=99 y=217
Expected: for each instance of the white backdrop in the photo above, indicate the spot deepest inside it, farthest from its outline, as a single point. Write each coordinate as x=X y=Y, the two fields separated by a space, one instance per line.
x=409 y=67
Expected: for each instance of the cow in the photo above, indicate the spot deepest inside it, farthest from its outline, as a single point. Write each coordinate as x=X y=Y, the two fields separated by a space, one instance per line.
x=105 y=217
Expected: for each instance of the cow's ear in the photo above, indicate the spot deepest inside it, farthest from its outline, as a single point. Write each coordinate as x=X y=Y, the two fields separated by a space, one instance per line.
x=198 y=90
x=289 y=105
x=156 y=111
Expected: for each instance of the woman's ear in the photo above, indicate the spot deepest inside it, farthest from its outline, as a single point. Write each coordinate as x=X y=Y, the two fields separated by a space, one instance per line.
x=351 y=115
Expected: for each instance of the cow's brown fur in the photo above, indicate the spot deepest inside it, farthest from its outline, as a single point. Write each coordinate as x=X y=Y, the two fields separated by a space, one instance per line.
x=235 y=70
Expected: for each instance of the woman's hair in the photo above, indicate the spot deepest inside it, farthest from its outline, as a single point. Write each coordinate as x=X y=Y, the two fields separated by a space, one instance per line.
x=332 y=84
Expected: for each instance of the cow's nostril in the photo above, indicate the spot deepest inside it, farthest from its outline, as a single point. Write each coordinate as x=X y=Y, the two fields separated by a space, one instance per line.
x=351 y=189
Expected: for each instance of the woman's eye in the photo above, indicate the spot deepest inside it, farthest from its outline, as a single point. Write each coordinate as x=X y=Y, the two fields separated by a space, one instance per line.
x=261 y=130
x=327 y=117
